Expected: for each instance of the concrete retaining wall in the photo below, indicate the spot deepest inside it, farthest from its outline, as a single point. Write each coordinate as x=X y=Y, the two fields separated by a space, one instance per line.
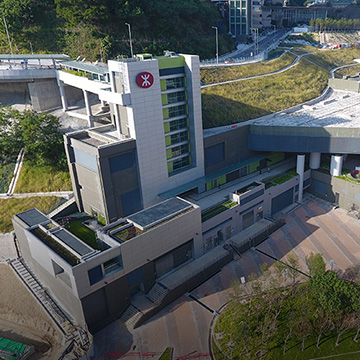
x=44 y=95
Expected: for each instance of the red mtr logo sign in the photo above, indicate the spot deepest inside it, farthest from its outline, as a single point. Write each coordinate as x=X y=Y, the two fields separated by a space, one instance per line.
x=145 y=80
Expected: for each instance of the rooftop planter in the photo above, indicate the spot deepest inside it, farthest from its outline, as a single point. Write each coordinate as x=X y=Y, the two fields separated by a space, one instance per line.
x=247 y=188
x=127 y=233
x=279 y=179
x=56 y=246
x=217 y=209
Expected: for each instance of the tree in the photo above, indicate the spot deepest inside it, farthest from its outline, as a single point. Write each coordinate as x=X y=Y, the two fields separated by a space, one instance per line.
x=37 y=133
x=344 y=322
x=294 y=264
x=315 y=264
x=10 y=137
x=41 y=137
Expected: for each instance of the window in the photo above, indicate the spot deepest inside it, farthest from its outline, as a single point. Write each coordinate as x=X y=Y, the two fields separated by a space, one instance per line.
x=85 y=159
x=175 y=83
x=177 y=111
x=176 y=97
x=178 y=124
x=122 y=162
x=179 y=150
x=179 y=137
x=112 y=265
x=181 y=163
x=95 y=274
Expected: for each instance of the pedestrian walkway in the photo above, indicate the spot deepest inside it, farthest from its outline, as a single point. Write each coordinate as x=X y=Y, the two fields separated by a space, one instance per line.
x=184 y=325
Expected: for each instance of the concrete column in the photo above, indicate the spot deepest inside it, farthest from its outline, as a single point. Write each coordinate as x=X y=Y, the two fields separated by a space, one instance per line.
x=62 y=95
x=115 y=107
x=88 y=108
x=300 y=166
x=336 y=165
x=315 y=158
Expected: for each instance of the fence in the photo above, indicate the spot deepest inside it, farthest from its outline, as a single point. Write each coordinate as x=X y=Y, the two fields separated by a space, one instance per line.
x=256 y=239
x=243 y=60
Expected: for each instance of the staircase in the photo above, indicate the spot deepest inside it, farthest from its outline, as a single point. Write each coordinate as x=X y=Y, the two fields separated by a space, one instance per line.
x=77 y=336
x=131 y=316
x=157 y=293
x=61 y=207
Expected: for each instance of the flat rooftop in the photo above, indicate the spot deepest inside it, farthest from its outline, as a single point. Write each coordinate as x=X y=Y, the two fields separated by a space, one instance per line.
x=99 y=136
x=32 y=217
x=160 y=212
x=73 y=242
x=338 y=109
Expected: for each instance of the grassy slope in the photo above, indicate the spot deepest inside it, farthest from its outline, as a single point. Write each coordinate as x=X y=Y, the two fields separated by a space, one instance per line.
x=351 y=70
x=214 y=75
x=9 y=207
x=42 y=179
x=241 y=101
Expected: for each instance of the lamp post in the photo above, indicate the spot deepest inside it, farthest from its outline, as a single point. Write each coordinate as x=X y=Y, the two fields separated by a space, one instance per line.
x=7 y=33
x=131 y=48
x=217 y=43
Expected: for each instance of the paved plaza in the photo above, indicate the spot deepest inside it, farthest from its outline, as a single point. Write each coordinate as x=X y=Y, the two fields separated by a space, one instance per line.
x=184 y=325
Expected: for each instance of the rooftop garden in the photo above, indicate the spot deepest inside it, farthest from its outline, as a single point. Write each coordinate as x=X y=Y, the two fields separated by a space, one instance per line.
x=67 y=255
x=279 y=179
x=217 y=209
x=77 y=228
x=127 y=233
x=214 y=75
x=12 y=206
x=226 y=104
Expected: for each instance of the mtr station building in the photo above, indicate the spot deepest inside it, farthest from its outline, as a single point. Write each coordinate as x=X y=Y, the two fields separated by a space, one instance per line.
x=178 y=202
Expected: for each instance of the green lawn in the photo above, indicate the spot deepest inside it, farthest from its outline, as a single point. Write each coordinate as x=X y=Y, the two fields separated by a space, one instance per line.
x=327 y=349
x=241 y=101
x=34 y=178
x=82 y=232
x=214 y=75
x=12 y=206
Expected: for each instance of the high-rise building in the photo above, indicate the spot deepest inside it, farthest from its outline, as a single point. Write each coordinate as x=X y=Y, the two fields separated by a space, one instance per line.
x=155 y=144
x=240 y=16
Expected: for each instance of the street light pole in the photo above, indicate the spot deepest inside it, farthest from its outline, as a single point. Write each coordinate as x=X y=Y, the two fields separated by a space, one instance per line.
x=217 y=43
x=131 y=48
x=7 y=33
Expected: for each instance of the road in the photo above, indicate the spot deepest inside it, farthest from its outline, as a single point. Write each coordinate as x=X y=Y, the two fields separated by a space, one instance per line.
x=263 y=44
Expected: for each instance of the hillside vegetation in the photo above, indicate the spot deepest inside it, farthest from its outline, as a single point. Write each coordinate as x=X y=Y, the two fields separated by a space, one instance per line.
x=96 y=29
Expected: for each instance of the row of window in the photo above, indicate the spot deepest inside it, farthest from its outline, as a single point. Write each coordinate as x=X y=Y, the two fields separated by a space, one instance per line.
x=176 y=97
x=178 y=124
x=175 y=83
x=177 y=110
x=181 y=163
x=177 y=150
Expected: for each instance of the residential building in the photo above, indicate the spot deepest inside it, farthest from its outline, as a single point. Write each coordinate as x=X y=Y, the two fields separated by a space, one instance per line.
x=240 y=18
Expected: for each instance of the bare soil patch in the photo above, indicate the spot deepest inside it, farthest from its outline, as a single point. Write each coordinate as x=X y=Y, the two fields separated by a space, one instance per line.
x=22 y=319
